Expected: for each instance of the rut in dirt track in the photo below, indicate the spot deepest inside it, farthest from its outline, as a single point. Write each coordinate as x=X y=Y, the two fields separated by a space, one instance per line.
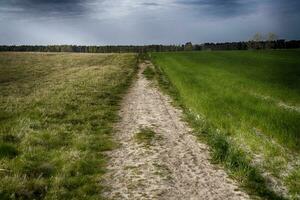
x=176 y=166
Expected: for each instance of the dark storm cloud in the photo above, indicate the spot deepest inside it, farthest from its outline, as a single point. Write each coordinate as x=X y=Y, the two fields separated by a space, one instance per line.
x=288 y=6
x=221 y=8
x=287 y=15
x=212 y=2
x=46 y=8
x=144 y=21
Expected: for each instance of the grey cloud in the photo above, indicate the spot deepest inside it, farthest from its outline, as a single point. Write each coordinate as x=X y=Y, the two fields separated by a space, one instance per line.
x=221 y=8
x=44 y=8
x=288 y=6
x=211 y=2
x=150 y=4
x=144 y=22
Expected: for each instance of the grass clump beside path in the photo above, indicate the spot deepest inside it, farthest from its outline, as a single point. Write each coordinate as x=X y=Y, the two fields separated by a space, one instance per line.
x=57 y=111
x=146 y=136
x=149 y=73
x=245 y=104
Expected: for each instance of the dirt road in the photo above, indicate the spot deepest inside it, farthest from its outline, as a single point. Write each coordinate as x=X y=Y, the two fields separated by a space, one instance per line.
x=175 y=166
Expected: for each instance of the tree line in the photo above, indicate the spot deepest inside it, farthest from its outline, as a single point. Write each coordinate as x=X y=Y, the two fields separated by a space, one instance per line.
x=276 y=44
x=251 y=45
x=93 y=49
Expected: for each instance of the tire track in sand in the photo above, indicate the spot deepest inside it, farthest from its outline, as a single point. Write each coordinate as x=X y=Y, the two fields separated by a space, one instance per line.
x=176 y=166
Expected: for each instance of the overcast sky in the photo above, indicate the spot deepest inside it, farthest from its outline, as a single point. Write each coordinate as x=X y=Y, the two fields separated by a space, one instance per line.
x=102 y=22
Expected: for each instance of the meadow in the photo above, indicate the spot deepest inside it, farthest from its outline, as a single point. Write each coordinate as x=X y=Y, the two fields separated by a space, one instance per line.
x=246 y=105
x=57 y=112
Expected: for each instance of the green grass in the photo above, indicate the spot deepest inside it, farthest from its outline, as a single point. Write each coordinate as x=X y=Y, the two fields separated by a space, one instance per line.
x=7 y=150
x=145 y=136
x=293 y=181
x=149 y=73
x=56 y=118
x=246 y=105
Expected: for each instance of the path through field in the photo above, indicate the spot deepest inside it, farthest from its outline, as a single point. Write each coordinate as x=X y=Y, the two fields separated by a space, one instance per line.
x=175 y=166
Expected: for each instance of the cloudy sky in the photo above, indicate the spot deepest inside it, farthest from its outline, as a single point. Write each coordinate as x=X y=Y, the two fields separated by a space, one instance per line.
x=102 y=22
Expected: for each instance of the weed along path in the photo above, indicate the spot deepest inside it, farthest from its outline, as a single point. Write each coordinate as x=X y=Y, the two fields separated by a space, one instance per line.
x=158 y=158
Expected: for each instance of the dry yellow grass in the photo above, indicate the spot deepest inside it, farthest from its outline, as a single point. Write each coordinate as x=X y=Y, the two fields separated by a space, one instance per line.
x=56 y=113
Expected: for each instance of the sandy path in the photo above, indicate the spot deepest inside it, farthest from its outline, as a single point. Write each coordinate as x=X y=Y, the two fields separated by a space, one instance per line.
x=176 y=166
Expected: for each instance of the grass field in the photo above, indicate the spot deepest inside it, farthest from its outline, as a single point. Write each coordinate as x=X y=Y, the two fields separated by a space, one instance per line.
x=56 y=117
x=251 y=100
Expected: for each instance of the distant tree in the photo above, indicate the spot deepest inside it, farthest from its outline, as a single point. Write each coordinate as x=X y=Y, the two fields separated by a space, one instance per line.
x=271 y=40
x=256 y=41
x=66 y=48
x=272 y=37
x=188 y=46
x=257 y=37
